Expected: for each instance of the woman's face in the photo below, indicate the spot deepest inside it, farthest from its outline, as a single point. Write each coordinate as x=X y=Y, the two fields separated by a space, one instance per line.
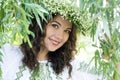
x=57 y=33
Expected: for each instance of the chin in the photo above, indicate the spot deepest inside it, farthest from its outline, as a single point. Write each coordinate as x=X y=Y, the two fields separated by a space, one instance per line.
x=52 y=50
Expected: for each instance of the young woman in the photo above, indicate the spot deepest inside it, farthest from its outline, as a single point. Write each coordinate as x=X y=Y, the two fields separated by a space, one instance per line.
x=52 y=56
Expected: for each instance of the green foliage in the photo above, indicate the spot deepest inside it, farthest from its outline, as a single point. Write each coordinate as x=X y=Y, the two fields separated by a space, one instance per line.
x=15 y=17
x=105 y=31
x=102 y=17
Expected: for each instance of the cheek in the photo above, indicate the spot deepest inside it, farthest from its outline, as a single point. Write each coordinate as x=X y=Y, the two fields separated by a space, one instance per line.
x=49 y=30
x=66 y=38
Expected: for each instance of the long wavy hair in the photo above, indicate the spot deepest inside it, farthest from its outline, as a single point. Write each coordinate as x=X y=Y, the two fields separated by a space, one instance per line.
x=59 y=59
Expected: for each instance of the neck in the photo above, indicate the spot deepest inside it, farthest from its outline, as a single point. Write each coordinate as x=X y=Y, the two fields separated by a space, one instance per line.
x=42 y=55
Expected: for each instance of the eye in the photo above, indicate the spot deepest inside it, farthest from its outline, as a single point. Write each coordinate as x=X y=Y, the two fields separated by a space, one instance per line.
x=68 y=31
x=55 y=26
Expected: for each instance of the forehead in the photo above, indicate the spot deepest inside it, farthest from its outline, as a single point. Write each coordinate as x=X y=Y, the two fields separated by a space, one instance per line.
x=62 y=21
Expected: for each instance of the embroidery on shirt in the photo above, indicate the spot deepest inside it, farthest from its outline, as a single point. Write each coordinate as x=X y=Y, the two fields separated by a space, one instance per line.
x=44 y=73
x=19 y=74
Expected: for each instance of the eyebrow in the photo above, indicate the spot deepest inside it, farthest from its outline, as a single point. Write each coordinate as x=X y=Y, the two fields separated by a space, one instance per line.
x=69 y=28
x=57 y=23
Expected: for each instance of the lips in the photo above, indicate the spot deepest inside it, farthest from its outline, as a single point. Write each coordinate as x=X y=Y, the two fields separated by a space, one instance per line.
x=54 y=42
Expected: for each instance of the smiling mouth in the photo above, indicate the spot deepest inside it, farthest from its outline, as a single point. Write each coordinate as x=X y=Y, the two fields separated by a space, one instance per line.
x=54 y=42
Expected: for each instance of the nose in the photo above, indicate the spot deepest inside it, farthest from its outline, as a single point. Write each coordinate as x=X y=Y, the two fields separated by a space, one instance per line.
x=60 y=34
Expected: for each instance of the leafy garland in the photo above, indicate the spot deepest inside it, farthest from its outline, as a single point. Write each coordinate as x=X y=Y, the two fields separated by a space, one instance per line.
x=69 y=11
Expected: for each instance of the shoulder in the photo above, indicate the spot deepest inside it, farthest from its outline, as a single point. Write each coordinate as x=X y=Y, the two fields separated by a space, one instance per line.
x=9 y=51
x=11 y=57
x=11 y=60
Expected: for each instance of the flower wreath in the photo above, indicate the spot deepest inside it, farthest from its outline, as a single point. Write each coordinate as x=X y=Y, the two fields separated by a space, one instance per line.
x=69 y=11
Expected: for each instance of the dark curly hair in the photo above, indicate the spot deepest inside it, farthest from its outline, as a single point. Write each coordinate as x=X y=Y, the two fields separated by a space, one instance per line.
x=59 y=58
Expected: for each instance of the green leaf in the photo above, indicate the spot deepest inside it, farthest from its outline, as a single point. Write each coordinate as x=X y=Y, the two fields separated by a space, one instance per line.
x=82 y=4
x=1 y=14
x=1 y=56
x=97 y=57
x=37 y=19
x=33 y=5
x=41 y=15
